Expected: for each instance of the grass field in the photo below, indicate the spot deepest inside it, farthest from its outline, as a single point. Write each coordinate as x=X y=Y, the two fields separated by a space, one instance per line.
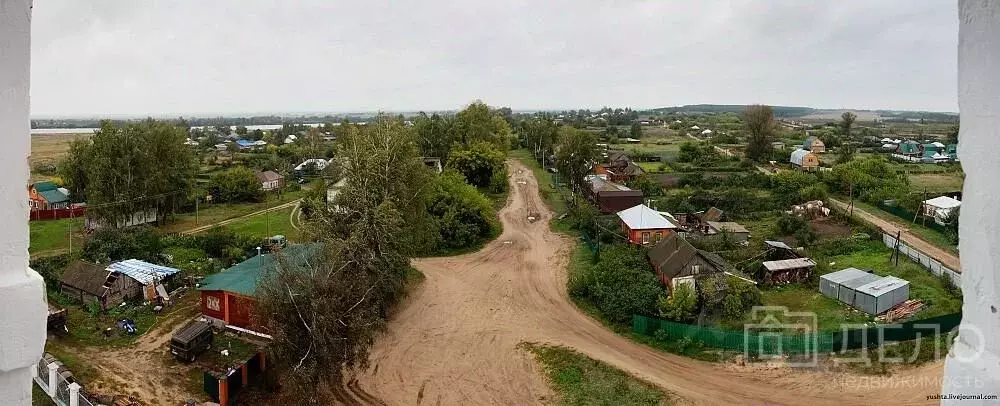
x=46 y=235
x=579 y=380
x=654 y=167
x=932 y=236
x=214 y=213
x=936 y=182
x=49 y=149
x=266 y=225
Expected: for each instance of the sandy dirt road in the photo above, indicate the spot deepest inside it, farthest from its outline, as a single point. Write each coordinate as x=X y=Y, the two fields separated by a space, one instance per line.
x=454 y=340
x=948 y=259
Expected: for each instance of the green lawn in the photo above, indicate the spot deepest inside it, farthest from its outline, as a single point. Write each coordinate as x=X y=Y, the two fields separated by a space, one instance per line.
x=830 y=313
x=579 y=380
x=266 y=225
x=654 y=167
x=209 y=213
x=54 y=234
x=936 y=182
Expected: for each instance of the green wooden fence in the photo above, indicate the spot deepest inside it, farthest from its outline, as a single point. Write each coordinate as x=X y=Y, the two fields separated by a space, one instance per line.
x=777 y=342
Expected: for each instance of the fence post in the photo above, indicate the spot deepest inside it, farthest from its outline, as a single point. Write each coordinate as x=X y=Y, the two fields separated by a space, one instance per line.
x=53 y=381
x=74 y=394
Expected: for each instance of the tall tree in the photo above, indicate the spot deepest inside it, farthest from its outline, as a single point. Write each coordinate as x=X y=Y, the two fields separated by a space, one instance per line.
x=635 y=131
x=479 y=123
x=434 y=137
x=758 y=123
x=73 y=169
x=540 y=135
x=847 y=121
x=241 y=130
x=575 y=154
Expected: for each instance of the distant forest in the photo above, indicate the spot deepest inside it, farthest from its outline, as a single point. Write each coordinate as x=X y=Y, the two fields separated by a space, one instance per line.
x=202 y=121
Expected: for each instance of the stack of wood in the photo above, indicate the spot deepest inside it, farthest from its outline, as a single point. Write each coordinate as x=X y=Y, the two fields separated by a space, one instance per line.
x=901 y=311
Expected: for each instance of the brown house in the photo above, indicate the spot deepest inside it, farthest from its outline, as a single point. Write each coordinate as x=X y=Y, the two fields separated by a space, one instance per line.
x=611 y=197
x=270 y=180
x=88 y=282
x=676 y=261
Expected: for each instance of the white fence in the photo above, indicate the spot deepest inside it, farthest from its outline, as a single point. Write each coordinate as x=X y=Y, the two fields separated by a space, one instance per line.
x=931 y=264
x=50 y=377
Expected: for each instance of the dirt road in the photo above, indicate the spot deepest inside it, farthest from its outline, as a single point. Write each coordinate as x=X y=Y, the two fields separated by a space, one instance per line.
x=948 y=259
x=454 y=339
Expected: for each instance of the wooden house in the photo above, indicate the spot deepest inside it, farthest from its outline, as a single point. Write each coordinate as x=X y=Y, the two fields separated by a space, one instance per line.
x=611 y=197
x=678 y=262
x=814 y=145
x=85 y=282
x=804 y=159
x=644 y=225
x=735 y=231
x=788 y=270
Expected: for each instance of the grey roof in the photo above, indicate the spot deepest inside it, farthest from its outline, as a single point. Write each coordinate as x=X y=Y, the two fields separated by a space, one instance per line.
x=844 y=275
x=882 y=286
x=85 y=276
x=860 y=281
x=784 y=264
x=602 y=185
x=778 y=244
x=728 y=226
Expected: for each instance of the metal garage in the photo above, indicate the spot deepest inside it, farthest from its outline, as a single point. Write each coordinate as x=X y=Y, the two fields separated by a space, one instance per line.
x=829 y=284
x=881 y=295
x=849 y=288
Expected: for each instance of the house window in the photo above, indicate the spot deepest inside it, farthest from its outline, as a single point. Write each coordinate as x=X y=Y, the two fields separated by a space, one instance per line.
x=656 y=237
x=645 y=238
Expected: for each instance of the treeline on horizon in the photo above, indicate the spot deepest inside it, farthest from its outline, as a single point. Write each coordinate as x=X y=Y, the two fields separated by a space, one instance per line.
x=779 y=111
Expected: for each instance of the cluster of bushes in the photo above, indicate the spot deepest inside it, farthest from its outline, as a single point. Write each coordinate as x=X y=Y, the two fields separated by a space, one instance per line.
x=737 y=298
x=797 y=227
x=621 y=283
x=462 y=216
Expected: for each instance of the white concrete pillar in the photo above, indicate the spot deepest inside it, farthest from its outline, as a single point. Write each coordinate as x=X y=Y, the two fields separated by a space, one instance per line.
x=973 y=365
x=22 y=291
x=53 y=379
x=74 y=394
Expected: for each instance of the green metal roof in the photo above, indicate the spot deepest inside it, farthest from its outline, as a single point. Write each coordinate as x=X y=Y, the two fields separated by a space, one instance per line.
x=45 y=186
x=243 y=277
x=909 y=147
x=53 y=196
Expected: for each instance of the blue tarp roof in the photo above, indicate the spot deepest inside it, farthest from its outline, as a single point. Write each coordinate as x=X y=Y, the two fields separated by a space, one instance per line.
x=244 y=143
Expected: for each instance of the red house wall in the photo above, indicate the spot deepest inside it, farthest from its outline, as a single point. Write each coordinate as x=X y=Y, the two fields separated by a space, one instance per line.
x=635 y=236
x=213 y=304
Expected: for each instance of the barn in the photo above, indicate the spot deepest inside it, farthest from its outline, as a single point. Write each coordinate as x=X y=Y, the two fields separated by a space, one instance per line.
x=227 y=297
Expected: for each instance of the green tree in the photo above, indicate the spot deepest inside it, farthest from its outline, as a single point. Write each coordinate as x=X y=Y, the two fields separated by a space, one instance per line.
x=952 y=136
x=255 y=135
x=540 y=135
x=239 y=184
x=462 y=215
x=576 y=152
x=648 y=186
x=846 y=152
x=758 y=124
x=479 y=123
x=223 y=129
x=434 y=137
x=873 y=179
x=621 y=284
x=847 y=122
x=680 y=306
x=635 y=131
x=478 y=163
x=73 y=169
x=136 y=168
x=241 y=130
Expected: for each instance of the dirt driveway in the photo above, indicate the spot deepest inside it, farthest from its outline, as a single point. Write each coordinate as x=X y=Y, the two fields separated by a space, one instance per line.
x=454 y=339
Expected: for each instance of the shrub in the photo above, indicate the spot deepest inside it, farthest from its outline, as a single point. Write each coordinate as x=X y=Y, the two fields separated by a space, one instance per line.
x=462 y=214
x=680 y=306
x=789 y=224
x=622 y=284
x=109 y=244
x=238 y=184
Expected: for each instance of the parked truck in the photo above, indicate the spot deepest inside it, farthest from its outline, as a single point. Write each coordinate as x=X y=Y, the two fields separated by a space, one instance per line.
x=190 y=341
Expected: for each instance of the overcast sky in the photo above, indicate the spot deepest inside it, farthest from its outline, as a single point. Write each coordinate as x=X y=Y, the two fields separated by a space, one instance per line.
x=248 y=56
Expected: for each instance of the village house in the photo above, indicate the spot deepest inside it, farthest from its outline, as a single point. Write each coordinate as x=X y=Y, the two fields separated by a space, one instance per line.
x=112 y=284
x=940 y=208
x=814 y=144
x=227 y=297
x=609 y=196
x=804 y=159
x=270 y=180
x=909 y=148
x=678 y=262
x=46 y=196
x=644 y=225
x=318 y=164
x=735 y=231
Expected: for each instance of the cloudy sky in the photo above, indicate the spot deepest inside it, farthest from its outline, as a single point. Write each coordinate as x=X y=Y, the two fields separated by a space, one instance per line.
x=247 y=56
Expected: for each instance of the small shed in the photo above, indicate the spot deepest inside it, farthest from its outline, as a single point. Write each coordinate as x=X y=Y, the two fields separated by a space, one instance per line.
x=788 y=270
x=735 y=230
x=940 y=208
x=829 y=284
x=814 y=144
x=85 y=282
x=849 y=288
x=804 y=159
x=148 y=278
x=879 y=296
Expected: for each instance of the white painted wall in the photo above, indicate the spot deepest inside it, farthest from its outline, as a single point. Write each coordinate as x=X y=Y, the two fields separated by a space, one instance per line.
x=973 y=365
x=23 y=312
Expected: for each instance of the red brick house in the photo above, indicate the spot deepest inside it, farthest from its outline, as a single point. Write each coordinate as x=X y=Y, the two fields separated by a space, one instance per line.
x=644 y=225
x=270 y=180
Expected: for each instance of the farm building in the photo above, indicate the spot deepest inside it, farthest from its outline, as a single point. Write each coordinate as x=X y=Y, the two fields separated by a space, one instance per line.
x=788 y=270
x=736 y=231
x=940 y=208
x=814 y=144
x=46 y=195
x=270 y=180
x=611 y=197
x=933 y=156
x=677 y=262
x=804 y=159
x=644 y=225
x=868 y=292
x=227 y=297
x=706 y=133
x=112 y=284
x=779 y=250
x=147 y=216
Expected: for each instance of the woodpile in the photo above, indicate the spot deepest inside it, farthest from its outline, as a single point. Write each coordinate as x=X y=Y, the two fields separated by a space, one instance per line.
x=901 y=311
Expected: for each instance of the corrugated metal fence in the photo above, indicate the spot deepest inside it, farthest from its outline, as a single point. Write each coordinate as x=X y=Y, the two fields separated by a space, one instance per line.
x=931 y=264
x=775 y=341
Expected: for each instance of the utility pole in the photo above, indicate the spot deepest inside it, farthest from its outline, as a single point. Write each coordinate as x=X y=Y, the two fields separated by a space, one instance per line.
x=267 y=216
x=196 y=198
x=71 y=230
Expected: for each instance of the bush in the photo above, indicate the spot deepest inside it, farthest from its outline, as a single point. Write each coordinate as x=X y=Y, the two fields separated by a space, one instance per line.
x=813 y=192
x=238 y=184
x=50 y=268
x=620 y=284
x=109 y=244
x=462 y=215
x=741 y=296
x=498 y=183
x=479 y=163
x=680 y=306
x=789 y=224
